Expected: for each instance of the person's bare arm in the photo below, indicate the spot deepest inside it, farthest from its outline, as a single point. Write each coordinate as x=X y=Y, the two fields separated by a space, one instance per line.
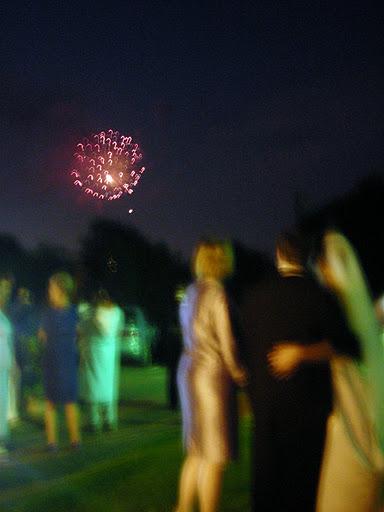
x=227 y=341
x=285 y=357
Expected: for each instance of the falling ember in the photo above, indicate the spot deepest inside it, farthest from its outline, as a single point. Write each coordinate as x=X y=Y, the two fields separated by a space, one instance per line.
x=107 y=165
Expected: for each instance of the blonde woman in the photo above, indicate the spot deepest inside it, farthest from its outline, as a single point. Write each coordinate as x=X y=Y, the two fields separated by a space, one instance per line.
x=207 y=371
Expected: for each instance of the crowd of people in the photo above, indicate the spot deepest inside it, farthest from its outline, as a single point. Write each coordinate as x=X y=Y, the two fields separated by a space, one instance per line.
x=305 y=344
x=307 y=347
x=78 y=349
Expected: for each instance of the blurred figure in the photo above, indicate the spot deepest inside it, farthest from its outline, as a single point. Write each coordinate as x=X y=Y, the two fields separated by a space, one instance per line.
x=60 y=358
x=100 y=331
x=14 y=376
x=173 y=349
x=352 y=475
x=379 y=309
x=25 y=322
x=289 y=415
x=6 y=359
x=207 y=372
x=13 y=393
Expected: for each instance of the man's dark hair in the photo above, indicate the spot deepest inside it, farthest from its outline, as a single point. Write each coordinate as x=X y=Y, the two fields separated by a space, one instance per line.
x=291 y=246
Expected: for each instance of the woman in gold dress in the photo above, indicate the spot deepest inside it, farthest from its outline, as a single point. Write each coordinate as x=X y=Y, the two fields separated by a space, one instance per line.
x=207 y=372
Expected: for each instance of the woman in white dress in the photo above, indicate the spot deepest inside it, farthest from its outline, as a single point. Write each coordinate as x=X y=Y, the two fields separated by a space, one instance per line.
x=208 y=369
x=100 y=329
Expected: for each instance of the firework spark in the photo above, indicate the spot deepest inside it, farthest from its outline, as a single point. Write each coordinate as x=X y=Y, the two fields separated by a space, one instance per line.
x=107 y=165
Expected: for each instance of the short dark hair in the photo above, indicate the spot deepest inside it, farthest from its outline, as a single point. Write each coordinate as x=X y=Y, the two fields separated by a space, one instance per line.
x=291 y=246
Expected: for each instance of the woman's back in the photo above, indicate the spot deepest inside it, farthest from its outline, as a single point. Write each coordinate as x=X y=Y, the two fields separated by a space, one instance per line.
x=110 y=320
x=197 y=319
x=100 y=353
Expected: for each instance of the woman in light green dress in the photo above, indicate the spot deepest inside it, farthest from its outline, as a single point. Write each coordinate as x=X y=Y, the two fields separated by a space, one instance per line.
x=6 y=359
x=100 y=329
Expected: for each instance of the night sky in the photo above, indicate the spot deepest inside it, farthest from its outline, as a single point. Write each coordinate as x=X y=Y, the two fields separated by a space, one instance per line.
x=236 y=105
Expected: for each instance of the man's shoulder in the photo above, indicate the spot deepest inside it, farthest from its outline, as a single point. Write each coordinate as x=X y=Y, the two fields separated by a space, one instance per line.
x=305 y=282
x=264 y=285
x=257 y=295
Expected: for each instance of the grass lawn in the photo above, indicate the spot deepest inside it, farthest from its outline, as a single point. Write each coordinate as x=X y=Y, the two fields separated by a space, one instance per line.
x=134 y=469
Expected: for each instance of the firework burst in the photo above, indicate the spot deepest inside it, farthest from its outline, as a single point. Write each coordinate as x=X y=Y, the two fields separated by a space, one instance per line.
x=107 y=165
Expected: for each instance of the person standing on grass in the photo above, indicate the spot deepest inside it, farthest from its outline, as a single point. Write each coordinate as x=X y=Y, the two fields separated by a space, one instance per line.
x=6 y=359
x=207 y=372
x=290 y=416
x=100 y=331
x=352 y=474
x=25 y=321
x=60 y=358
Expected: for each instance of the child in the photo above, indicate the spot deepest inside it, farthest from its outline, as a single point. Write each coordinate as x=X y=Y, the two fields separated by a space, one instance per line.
x=60 y=361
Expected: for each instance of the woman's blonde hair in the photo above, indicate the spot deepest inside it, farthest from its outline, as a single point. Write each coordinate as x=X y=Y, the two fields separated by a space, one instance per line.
x=65 y=282
x=213 y=259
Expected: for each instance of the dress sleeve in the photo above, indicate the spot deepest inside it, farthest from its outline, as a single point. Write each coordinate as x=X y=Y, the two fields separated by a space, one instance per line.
x=224 y=333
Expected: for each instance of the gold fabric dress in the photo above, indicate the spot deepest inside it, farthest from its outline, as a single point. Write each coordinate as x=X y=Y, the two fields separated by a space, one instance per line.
x=353 y=464
x=206 y=373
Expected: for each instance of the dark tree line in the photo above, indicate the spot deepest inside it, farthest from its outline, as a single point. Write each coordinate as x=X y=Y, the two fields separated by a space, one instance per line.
x=32 y=268
x=114 y=256
x=140 y=273
x=135 y=271
x=359 y=215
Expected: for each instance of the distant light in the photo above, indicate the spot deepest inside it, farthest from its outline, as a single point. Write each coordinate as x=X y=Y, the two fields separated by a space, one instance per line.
x=130 y=210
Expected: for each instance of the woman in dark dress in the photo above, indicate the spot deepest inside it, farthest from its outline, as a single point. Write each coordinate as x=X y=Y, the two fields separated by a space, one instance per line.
x=60 y=361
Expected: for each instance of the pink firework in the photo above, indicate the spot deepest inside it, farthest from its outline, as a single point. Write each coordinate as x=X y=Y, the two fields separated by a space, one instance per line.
x=107 y=165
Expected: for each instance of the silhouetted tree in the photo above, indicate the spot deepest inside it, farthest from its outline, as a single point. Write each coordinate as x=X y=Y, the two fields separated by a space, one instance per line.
x=32 y=268
x=13 y=257
x=134 y=270
x=358 y=214
x=44 y=261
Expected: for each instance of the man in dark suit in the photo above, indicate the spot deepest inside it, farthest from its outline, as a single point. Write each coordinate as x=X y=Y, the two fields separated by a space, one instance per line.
x=289 y=414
